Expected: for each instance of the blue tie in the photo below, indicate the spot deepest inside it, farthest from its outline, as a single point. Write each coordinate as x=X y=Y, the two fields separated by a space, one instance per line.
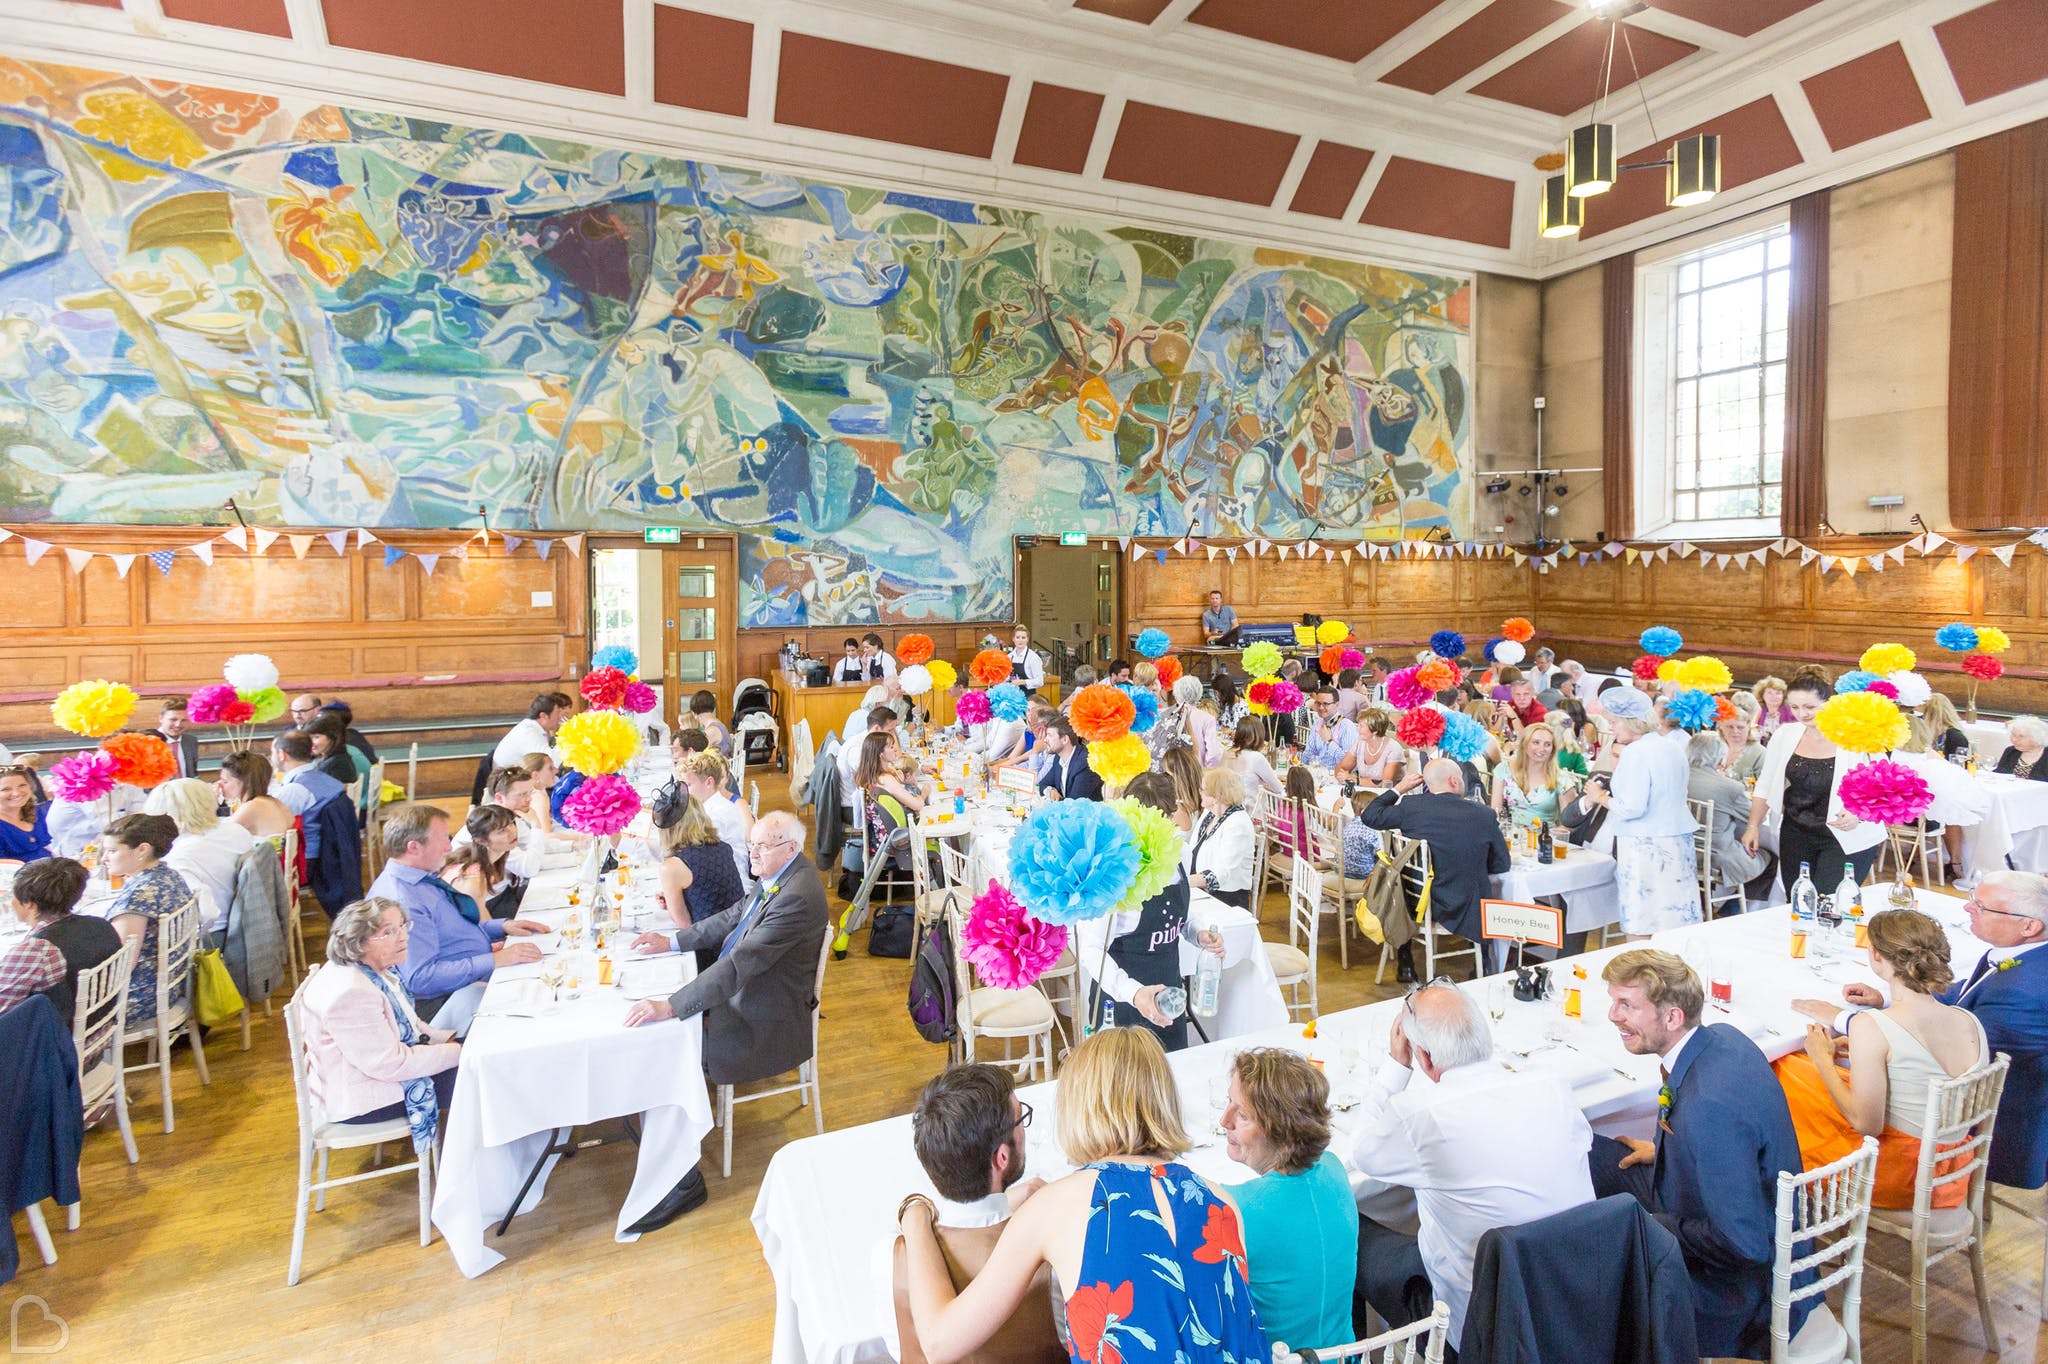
x=464 y=905
x=739 y=930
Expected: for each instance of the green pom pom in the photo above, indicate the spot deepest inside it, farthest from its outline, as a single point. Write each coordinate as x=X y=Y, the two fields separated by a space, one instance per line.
x=1158 y=842
x=1260 y=659
x=269 y=704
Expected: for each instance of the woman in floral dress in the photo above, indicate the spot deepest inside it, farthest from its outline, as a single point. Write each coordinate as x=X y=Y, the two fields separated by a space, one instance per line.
x=135 y=846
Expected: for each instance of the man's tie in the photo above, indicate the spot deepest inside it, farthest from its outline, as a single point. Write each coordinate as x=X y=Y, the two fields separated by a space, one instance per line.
x=464 y=905
x=747 y=917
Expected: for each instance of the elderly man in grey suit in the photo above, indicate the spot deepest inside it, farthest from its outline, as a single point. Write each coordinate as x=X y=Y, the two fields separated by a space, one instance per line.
x=757 y=997
x=1734 y=865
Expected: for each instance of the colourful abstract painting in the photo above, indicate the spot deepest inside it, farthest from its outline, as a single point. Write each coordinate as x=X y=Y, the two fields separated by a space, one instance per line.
x=344 y=318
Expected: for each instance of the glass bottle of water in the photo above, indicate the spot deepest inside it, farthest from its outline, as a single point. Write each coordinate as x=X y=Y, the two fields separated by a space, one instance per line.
x=1805 y=898
x=1849 y=899
x=1208 y=984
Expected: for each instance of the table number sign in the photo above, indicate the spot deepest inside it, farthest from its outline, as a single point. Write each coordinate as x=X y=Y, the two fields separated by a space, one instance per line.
x=1513 y=921
x=1016 y=779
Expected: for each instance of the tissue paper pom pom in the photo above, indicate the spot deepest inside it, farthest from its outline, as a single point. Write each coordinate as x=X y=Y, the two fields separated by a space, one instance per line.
x=1153 y=641
x=1117 y=760
x=84 y=777
x=1331 y=660
x=1692 y=709
x=1883 y=688
x=250 y=672
x=1885 y=792
x=597 y=742
x=1144 y=710
x=604 y=804
x=1486 y=650
x=988 y=667
x=1420 y=727
x=1157 y=839
x=1983 y=667
x=264 y=706
x=1404 y=692
x=1861 y=722
x=1518 y=629
x=1260 y=659
x=1100 y=712
x=1509 y=653
x=141 y=760
x=1856 y=679
x=1892 y=658
x=1724 y=709
x=1351 y=658
x=1438 y=674
x=1008 y=701
x=1332 y=632
x=1706 y=673
x=1447 y=644
x=1286 y=698
x=944 y=676
x=973 y=708
x=1956 y=637
x=1258 y=695
x=1912 y=688
x=640 y=698
x=616 y=656
x=1991 y=640
x=914 y=649
x=203 y=707
x=1169 y=669
x=1006 y=946
x=915 y=680
x=1073 y=860
x=1571 y=760
x=1464 y=737
x=238 y=712
x=1661 y=640
x=604 y=688
x=1645 y=666
x=94 y=708
x=1667 y=671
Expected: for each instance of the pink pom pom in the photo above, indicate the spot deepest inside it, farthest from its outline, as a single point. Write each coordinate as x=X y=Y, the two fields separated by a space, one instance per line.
x=640 y=698
x=1351 y=658
x=1404 y=692
x=1286 y=698
x=87 y=776
x=1885 y=792
x=204 y=707
x=1006 y=946
x=972 y=707
x=1884 y=689
x=602 y=805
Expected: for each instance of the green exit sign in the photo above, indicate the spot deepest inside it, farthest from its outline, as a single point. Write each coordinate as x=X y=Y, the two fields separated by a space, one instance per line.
x=662 y=535
x=1074 y=537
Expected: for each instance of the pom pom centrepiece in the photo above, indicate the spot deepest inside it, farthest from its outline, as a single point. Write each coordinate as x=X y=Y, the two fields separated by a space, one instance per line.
x=1117 y=760
x=944 y=675
x=1420 y=727
x=141 y=760
x=1259 y=691
x=1100 y=713
x=203 y=707
x=1404 y=692
x=915 y=680
x=616 y=656
x=973 y=707
x=1861 y=722
x=1464 y=737
x=1447 y=644
x=988 y=667
x=1661 y=640
x=1331 y=660
x=1008 y=701
x=1517 y=629
x=1883 y=688
x=1510 y=652
x=1332 y=632
x=1158 y=842
x=1573 y=761
x=1260 y=659
x=238 y=712
x=1890 y=658
x=640 y=698
x=1008 y=948
x=1704 y=672
x=93 y=709
x=250 y=672
x=914 y=649
x=597 y=742
x=1486 y=649
x=1885 y=792
x=1956 y=637
x=1287 y=698
x=1983 y=667
x=1073 y=860
x=604 y=804
x=1153 y=641
x=604 y=688
x=1913 y=690
x=1991 y=640
x=1667 y=671
x=264 y=706
x=1724 y=710
x=1856 y=679
x=1351 y=658
x=1144 y=707
x=1692 y=709
x=1645 y=666
x=1438 y=674
x=1169 y=670
x=84 y=777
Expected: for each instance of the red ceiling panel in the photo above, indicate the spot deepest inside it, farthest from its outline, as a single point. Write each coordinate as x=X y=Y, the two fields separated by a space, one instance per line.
x=702 y=61
x=1476 y=42
x=1740 y=17
x=1137 y=11
x=1865 y=98
x=1563 y=77
x=1344 y=29
x=867 y=92
x=103 y=4
x=253 y=16
x=580 y=43
x=1996 y=47
x=1197 y=154
x=1442 y=201
x=1334 y=171
x=1754 y=143
x=1058 y=126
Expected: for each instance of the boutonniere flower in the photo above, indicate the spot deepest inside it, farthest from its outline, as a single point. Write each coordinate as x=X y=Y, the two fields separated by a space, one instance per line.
x=1664 y=1108
x=2007 y=964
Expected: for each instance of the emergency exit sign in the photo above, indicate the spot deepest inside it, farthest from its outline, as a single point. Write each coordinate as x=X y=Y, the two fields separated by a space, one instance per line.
x=1074 y=537
x=662 y=535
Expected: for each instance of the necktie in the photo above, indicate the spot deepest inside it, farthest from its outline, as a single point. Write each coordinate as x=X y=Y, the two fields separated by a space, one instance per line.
x=464 y=905
x=747 y=916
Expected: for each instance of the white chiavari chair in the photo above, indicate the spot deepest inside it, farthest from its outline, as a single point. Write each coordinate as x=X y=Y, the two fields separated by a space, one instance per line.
x=1419 y=1342
x=98 y=1017
x=1294 y=961
x=1326 y=845
x=990 y=1013
x=177 y=942
x=1828 y=1211
x=809 y=1094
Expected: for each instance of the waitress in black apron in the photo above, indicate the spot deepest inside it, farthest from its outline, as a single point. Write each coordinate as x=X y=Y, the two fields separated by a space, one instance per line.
x=1027 y=669
x=1218 y=854
x=851 y=666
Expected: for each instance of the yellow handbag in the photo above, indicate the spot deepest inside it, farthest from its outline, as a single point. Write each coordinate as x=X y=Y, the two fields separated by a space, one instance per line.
x=215 y=999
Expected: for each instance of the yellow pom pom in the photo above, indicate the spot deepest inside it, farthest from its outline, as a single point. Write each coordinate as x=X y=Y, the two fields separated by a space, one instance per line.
x=1332 y=632
x=1704 y=672
x=1862 y=722
x=597 y=742
x=1886 y=659
x=94 y=709
x=1117 y=760
x=1990 y=640
x=1667 y=671
x=944 y=675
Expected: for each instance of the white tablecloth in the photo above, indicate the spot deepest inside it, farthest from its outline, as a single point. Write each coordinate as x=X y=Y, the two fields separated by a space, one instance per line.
x=2016 y=827
x=818 y=1227
x=521 y=1078
x=1585 y=878
x=1988 y=737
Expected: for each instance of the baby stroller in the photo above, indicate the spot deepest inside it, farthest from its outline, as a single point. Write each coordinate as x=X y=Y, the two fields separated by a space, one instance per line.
x=755 y=725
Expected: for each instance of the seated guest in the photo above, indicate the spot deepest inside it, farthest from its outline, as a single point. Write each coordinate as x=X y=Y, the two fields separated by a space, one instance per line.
x=209 y=849
x=1247 y=756
x=303 y=708
x=703 y=776
x=1358 y=853
x=2022 y=757
x=135 y=848
x=24 y=827
x=369 y=1058
x=1950 y=740
x=1466 y=847
x=1522 y=697
x=536 y=733
x=1300 y=1223
x=1745 y=756
x=342 y=711
x=331 y=753
x=1119 y=671
x=697 y=876
x=889 y=802
x=1178 y=762
x=299 y=785
x=1231 y=708
x=1960 y=800
x=542 y=773
x=996 y=740
x=244 y=787
x=1351 y=698
x=704 y=706
x=1723 y=1138
x=1218 y=849
x=1291 y=833
x=481 y=865
x=511 y=789
x=968 y=1130
x=1543 y=672
x=1480 y=1145
x=1069 y=777
x=1376 y=759
x=453 y=945
x=1896 y=1054
x=1734 y=864
x=877 y=715
x=851 y=667
x=1135 y=1290
x=59 y=944
x=1034 y=759
x=692 y=739
x=1196 y=722
x=1773 y=704
x=1529 y=784
x=1331 y=737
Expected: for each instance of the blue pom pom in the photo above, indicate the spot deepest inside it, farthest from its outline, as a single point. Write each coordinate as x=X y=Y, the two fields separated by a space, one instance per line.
x=1008 y=701
x=1661 y=640
x=1692 y=709
x=1491 y=645
x=1464 y=737
x=1447 y=644
x=1854 y=680
x=616 y=656
x=1147 y=711
x=1073 y=860
x=1956 y=637
x=1154 y=642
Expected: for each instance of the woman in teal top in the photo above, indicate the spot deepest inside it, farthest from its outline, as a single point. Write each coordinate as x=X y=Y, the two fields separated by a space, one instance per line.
x=1300 y=1223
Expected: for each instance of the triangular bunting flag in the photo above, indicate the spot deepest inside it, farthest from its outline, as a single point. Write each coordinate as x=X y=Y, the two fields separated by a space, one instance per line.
x=363 y=537
x=337 y=540
x=1211 y=551
x=1345 y=554
x=1876 y=562
x=203 y=552
x=300 y=544
x=1827 y=561
x=1849 y=566
x=1328 y=554
x=575 y=543
x=1231 y=553
x=1194 y=544
x=1681 y=548
x=1964 y=553
x=512 y=542
x=461 y=551
x=1585 y=559
x=1160 y=554
x=1137 y=552
x=238 y=536
x=1519 y=557
x=1897 y=553
x=1614 y=547
x=5 y=535
x=543 y=547
x=1631 y=556
x=1932 y=541
x=33 y=549
x=1313 y=547
x=264 y=538
x=1807 y=556
x=162 y=559
x=392 y=554
x=1283 y=551
x=427 y=561
x=79 y=559
x=122 y=563
x=1123 y=542
x=2004 y=553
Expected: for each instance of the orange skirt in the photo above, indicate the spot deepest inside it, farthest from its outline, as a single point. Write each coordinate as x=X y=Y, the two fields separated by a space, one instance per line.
x=1825 y=1136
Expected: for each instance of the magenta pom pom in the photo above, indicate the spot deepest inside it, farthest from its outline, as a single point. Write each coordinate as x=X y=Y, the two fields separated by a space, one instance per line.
x=1885 y=792
x=87 y=776
x=640 y=698
x=1286 y=698
x=1351 y=658
x=602 y=805
x=1006 y=946
x=206 y=705
x=972 y=707
x=1884 y=689
x=1404 y=692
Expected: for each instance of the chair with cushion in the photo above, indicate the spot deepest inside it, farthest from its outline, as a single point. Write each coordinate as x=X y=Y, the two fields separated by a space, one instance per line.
x=1827 y=1211
x=989 y=1013
x=806 y=1086
x=177 y=943
x=1294 y=961
x=1420 y=1342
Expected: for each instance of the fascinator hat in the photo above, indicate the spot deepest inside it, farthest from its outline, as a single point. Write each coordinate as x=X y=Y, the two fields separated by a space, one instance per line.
x=669 y=804
x=1626 y=703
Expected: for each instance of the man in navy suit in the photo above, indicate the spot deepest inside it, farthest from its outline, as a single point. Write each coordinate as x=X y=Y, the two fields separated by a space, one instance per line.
x=1069 y=777
x=1724 y=1134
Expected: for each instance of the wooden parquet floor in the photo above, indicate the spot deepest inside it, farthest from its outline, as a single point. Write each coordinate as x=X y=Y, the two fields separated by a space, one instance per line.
x=183 y=1256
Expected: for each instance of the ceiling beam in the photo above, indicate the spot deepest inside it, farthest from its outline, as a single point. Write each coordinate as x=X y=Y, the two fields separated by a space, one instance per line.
x=638 y=16
x=1535 y=42
x=763 y=75
x=1931 y=71
x=1428 y=29
x=1107 y=121
x=1290 y=179
x=1010 y=123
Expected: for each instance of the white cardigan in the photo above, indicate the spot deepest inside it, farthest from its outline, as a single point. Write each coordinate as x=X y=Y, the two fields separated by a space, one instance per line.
x=1770 y=784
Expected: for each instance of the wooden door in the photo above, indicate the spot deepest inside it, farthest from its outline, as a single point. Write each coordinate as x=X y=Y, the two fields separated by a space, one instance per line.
x=699 y=622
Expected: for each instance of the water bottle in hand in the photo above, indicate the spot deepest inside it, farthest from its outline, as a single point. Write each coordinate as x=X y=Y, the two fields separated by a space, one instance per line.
x=1208 y=984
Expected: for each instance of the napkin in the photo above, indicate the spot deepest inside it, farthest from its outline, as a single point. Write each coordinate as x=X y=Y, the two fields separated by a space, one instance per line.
x=652 y=979
x=520 y=998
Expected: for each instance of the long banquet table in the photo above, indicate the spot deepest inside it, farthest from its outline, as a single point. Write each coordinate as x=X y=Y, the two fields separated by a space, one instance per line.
x=818 y=1225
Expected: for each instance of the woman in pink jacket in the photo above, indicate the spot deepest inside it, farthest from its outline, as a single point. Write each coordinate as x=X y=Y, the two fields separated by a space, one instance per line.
x=368 y=1056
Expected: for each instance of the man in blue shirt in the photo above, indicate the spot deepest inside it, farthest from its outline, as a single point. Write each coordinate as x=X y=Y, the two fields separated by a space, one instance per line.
x=1331 y=736
x=300 y=786
x=1219 y=622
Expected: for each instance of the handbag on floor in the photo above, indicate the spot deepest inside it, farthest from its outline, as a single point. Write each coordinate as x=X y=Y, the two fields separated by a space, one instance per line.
x=215 y=999
x=891 y=931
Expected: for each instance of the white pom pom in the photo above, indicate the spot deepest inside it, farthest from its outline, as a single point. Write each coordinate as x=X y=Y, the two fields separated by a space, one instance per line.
x=916 y=680
x=1509 y=652
x=1914 y=691
x=250 y=672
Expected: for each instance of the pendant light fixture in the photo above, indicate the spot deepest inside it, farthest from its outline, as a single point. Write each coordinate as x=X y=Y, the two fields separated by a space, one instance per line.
x=1562 y=213
x=1589 y=160
x=1695 y=175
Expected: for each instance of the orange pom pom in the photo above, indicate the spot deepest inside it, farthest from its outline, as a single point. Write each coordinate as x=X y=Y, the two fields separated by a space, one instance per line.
x=1331 y=660
x=1438 y=674
x=141 y=759
x=914 y=649
x=989 y=667
x=1101 y=712
x=1169 y=670
x=1517 y=629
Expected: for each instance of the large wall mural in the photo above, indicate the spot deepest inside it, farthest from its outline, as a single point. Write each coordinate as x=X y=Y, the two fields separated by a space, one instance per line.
x=339 y=317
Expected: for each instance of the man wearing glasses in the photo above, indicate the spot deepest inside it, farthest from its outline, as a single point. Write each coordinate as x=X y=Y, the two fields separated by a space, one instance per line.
x=1331 y=736
x=304 y=708
x=756 y=998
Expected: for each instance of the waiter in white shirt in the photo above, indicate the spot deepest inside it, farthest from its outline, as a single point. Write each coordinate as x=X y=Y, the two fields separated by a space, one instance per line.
x=1027 y=669
x=878 y=664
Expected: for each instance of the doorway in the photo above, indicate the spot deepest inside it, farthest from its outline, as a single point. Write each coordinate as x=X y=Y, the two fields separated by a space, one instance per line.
x=676 y=608
x=1067 y=594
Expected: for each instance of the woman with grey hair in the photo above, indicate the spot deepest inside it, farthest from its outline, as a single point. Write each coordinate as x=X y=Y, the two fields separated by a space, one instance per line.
x=368 y=1056
x=2022 y=757
x=1200 y=724
x=1734 y=865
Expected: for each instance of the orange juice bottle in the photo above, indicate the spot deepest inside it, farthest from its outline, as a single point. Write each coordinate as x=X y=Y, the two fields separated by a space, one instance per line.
x=604 y=968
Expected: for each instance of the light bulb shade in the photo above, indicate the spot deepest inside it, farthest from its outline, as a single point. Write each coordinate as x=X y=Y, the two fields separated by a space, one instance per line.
x=1561 y=215
x=1695 y=174
x=1589 y=160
